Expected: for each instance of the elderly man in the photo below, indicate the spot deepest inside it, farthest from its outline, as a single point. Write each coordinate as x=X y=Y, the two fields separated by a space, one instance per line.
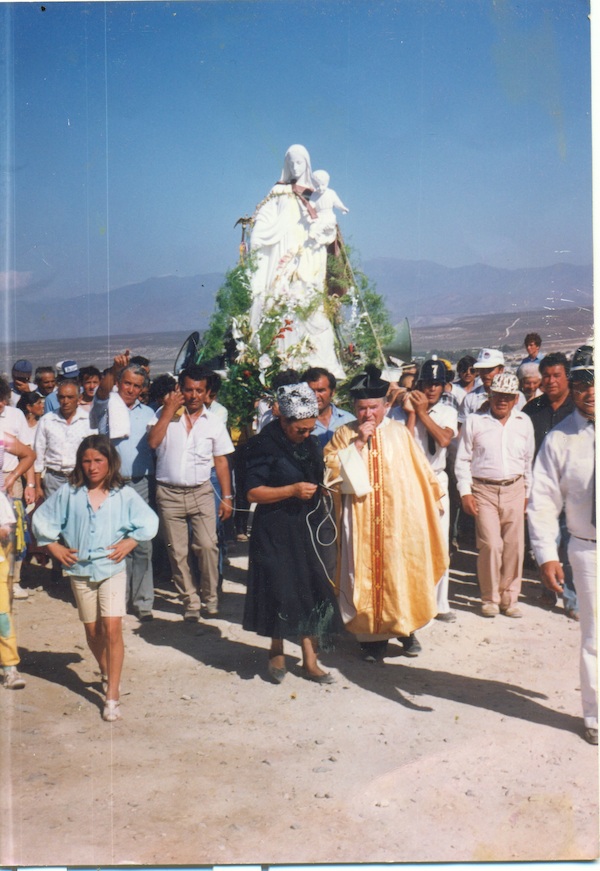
x=120 y=415
x=45 y=378
x=67 y=370
x=434 y=424
x=564 y=480
x=58 y=435
x=330 y=418
x=188 y=441
x=493 y=473
x=392 y=549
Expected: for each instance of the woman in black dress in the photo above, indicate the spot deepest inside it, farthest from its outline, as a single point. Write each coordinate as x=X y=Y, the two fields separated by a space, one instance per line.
x=289 y=593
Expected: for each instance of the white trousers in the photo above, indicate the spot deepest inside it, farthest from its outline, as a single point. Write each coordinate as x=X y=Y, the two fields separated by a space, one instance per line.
x=582 y=556
x=441 y=588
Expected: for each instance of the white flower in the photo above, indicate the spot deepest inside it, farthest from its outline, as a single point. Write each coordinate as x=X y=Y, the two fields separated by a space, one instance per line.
x=235 y=330
x=264 y=362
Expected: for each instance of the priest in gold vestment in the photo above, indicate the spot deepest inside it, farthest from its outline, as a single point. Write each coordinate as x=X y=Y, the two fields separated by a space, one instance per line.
x=392 y=552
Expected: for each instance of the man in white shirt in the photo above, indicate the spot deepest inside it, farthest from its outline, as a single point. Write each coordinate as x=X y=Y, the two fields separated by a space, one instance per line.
x=493 y=473
x=188 y=440
x=490 y=362
x=564 y=479
x=58 y=435
x=433 y=424
x=466 y=377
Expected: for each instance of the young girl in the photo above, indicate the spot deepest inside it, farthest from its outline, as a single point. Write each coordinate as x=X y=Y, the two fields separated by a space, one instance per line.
x=100 y=521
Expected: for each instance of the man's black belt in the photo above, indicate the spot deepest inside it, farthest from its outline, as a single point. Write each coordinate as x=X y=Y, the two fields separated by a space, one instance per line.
x=58 y=472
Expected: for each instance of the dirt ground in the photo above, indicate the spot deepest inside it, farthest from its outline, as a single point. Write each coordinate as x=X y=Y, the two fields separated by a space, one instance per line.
x=470 y=752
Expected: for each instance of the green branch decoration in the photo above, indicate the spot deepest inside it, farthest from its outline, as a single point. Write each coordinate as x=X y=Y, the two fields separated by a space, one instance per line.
x=357 y=312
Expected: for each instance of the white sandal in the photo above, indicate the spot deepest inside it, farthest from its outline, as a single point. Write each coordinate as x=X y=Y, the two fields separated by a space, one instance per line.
x=111 y=710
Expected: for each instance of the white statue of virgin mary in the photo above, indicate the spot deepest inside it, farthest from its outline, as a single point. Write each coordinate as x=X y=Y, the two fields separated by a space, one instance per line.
x=290 y=268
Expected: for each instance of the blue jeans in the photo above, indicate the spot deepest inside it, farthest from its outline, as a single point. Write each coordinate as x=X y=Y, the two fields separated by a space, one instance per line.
x=221 y=541
x=569 y=594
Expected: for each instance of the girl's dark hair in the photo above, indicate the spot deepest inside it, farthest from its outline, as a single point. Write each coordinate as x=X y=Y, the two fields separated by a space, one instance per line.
x=27 y=399
x=5 y=391
x=104 y=446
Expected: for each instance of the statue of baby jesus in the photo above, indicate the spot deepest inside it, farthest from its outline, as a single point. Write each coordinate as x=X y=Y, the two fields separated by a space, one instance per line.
x=325 y=200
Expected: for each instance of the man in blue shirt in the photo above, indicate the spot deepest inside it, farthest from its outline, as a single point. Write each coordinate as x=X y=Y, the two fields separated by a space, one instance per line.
x=533 y=343
x=120 y=415
x=330 y=416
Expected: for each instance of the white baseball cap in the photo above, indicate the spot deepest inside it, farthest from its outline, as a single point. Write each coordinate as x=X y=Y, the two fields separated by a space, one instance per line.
x=488 y=358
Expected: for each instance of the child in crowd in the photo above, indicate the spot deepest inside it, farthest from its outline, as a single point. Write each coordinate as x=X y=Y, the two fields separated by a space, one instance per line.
x=100 y=521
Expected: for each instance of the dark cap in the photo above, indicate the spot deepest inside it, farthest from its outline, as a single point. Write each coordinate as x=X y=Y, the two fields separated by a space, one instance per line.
x=22 y=366
x=434 y=371
x=369 y=384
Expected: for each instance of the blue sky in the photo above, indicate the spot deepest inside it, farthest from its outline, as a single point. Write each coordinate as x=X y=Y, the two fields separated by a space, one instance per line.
x=136 y=134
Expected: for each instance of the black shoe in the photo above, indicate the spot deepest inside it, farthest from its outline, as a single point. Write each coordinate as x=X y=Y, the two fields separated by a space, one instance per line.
x=411 y=645
x=446 y=617
x=373 y=651
x=145 y=616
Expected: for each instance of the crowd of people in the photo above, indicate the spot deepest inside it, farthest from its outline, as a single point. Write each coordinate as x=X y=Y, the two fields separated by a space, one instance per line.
x=358 y=509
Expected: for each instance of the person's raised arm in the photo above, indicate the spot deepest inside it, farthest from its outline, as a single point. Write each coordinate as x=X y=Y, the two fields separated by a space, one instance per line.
x=443 y=435
x=110 y=379
x=172 y=403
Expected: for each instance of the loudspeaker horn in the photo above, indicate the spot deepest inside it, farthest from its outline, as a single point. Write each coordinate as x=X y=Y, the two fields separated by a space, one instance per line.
x=401 y=344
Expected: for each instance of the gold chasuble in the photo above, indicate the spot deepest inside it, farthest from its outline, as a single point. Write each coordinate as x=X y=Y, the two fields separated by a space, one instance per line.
x=392 y=551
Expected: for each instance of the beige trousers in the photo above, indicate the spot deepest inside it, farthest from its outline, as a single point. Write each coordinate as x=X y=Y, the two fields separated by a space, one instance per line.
x=500 y=527
x=188 y=518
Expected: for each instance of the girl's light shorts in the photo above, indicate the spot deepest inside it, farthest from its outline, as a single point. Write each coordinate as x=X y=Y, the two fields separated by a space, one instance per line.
x=95 y=599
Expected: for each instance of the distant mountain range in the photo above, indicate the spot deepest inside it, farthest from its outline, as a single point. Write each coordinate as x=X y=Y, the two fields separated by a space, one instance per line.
x=425 y=292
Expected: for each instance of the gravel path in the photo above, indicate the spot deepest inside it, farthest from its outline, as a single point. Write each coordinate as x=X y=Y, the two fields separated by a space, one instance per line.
x=471 y=751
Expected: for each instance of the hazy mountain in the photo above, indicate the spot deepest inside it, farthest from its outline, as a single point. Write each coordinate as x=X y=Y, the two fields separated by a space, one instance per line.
x=156 y=305
x=421 y=290
x=424 y=292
